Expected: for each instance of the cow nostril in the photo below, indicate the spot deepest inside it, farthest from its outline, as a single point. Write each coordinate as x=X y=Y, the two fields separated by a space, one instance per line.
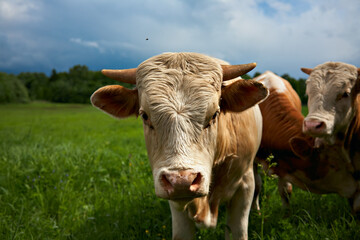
x=166 y=183
x=195 y=185
x=320 y=125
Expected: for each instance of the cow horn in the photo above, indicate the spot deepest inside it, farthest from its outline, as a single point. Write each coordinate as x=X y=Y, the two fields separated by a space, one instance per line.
x=306 y=70
x=124 y=75
x=233 y=71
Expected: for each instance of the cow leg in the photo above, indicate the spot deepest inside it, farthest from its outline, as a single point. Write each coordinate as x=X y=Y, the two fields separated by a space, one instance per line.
x=238 y=208
x=183 y=228
x=258 y=184
x=285 y=191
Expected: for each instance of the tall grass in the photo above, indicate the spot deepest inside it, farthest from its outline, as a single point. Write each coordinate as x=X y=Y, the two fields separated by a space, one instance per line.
x=72 y=172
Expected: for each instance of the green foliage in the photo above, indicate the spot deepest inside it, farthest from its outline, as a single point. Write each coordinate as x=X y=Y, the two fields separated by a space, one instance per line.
x=68 y=171
x=12 y=90
x=299 y=86
x=75 y=86
x=256 y=74
x=36 y=84
x=78 y=84
x=246 y=76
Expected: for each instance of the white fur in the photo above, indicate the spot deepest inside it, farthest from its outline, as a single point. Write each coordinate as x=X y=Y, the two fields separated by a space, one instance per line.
x=272 y=81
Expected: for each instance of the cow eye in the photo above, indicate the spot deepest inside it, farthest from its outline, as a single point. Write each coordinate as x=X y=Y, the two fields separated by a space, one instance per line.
x=343 y=96
x=146 y=119
x=213 y=119
x=215 y=115
x=144 y=116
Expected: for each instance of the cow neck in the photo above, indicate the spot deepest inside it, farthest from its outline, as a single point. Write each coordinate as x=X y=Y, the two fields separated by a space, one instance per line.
x=352 y=136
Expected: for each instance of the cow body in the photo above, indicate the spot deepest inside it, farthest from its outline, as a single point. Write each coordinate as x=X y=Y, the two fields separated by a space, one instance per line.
x=201 y=136
x=316 y=170
x=334 y=113
x=282 y=120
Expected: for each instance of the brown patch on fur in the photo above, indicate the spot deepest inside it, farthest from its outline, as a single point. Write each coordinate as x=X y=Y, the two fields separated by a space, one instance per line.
x=234 y=137
x=281 y=121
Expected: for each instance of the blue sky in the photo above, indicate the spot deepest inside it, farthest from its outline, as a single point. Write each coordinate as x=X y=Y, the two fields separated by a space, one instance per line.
x=281 y=36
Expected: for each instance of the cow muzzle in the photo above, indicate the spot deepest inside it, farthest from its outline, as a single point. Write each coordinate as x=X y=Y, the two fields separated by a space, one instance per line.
x=182 y=184
x=314 y=127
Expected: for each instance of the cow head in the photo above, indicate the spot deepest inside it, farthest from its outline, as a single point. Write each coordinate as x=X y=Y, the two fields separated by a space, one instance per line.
x=180 y=98
x=332 y=89
x=328 y=170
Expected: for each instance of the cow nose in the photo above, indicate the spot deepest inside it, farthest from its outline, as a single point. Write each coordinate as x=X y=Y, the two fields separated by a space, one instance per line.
x=313 y=126
x=185 y=182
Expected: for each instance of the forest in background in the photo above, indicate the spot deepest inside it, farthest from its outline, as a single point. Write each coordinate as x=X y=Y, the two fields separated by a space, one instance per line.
x=77 y=85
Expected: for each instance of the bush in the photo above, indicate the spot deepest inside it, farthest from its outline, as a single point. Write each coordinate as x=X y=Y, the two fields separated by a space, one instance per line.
x=79 y=83
x=37 y=85
x=12 y=90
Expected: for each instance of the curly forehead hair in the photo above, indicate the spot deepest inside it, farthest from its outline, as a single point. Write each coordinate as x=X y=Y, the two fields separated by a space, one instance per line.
x=329 y=71
x=179 y=89
x=167 y=65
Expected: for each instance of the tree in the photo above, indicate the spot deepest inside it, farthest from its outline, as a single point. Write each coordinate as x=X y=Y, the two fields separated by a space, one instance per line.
x=12 y=90
x=245 y=76
x=78 y=84
x=37 y=85
x=256 y=74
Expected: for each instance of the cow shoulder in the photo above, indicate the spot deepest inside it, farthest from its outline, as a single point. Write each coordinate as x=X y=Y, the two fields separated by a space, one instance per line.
x=242 y=94
x=280 y=85
x=272 y=81
x=116 y=100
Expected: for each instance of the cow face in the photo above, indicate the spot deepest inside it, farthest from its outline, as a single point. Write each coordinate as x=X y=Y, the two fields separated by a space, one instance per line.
x=332 y=89
x=328 y=168
x=180 y=100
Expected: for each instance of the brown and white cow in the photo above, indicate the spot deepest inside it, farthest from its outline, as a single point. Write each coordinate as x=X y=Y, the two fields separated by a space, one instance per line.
x=318 y=170
x=334 y=111
x=201 y=137
x=282 y=120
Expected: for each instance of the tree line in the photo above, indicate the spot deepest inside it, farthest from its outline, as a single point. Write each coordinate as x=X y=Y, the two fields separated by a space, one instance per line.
x=76 y=85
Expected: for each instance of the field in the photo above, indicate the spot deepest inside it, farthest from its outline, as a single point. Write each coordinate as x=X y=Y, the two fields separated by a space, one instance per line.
x=72 y=172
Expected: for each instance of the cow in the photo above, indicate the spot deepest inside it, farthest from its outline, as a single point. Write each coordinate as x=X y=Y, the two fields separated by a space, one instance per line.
x=318 y=170
x=201 y=136
x=334 y=116
x=282 y=120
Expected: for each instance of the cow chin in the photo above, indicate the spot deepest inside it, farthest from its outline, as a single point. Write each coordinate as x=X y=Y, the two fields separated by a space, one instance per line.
x=181 y=185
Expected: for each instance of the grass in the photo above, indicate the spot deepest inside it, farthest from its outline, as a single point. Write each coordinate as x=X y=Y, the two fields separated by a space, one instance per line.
x=72 y=172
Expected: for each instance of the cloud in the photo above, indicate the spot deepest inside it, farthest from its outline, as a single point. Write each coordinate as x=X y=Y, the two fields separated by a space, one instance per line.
x=19 y=10
x=90 y=44
x=284 y=42
x=280 y=6
x=280 y=35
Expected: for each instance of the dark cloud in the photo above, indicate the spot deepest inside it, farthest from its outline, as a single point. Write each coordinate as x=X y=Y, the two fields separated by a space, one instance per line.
x=282 y=36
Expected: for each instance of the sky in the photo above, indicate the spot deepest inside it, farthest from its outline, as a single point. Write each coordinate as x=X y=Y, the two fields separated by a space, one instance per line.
x=279 y=35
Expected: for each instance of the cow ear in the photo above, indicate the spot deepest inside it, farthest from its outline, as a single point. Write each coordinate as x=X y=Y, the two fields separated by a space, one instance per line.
x=242 y=94
x=306 y=70
x=300 y=147
x=116 y=100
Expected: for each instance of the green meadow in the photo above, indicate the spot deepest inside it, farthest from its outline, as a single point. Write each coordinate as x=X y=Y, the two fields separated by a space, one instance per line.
x=69 y=171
